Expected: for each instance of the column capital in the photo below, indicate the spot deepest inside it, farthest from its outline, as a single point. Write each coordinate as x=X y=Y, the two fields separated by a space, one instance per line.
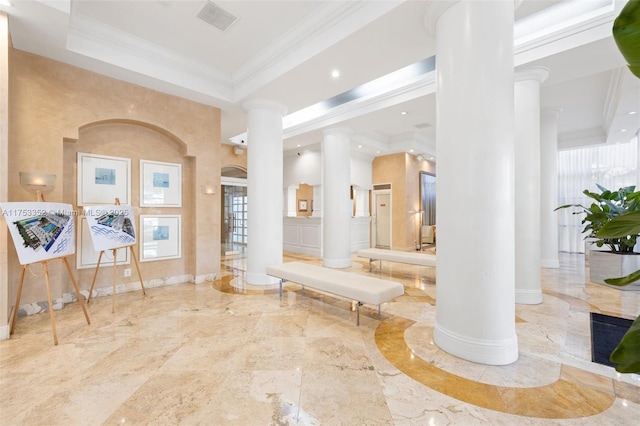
x=539 y=74
x=434 y=11
x=261 y=103
x=436 y=8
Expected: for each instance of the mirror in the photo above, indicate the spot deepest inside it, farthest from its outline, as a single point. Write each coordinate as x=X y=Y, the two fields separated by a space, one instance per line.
x=428 y=208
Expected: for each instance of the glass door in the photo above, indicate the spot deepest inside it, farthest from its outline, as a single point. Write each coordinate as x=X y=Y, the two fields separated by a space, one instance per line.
x=234 y=235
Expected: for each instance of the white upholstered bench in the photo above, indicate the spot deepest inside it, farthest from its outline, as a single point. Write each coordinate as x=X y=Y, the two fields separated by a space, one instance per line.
x=361 y=288
x=410 y=257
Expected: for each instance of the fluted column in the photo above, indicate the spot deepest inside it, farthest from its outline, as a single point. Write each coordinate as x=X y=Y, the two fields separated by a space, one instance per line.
x=549 y=187
x=264 y=188
x=475 y=292
x=527 y=181
x=336 y=178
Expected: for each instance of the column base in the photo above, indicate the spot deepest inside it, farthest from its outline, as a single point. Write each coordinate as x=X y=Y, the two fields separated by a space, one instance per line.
x=489 y=352
x=336 y=263
x=528 y=297
x=4 y=332
x=256 y=278
x=550 y=263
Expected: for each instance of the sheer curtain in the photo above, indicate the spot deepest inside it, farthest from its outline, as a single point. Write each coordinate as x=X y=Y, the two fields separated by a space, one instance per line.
x=610 y=166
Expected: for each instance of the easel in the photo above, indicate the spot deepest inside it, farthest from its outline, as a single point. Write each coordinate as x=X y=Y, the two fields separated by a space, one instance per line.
x=115 y=261
x=45 y=268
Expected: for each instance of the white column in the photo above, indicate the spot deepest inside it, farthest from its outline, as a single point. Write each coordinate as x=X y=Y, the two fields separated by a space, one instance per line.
x=549 y=187
x=264 y=188
x=317 y=201
x=475 y=310
x=527 y=183
x=290 y=201
x=362 y=202
x=336 y=178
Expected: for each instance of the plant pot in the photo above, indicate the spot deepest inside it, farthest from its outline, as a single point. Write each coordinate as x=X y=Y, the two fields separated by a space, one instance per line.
x=606 y=333
x=604 y=264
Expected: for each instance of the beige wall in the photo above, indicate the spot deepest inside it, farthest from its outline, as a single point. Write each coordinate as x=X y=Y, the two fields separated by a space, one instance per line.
x=304 y=192
x=4 y=165
x=56 y=110
x=402 y=171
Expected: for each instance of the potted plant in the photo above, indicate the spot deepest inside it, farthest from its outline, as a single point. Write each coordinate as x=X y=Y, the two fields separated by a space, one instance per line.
x=626 y=355
x=618 y=258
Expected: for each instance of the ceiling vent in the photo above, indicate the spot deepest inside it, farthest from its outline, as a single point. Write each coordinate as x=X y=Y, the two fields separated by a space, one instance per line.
x=422 y=126
x=214 y=15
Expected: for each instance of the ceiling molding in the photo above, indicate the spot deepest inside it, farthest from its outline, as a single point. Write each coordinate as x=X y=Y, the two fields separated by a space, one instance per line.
x=104 y=43
x=614 y=93
x=329 y=24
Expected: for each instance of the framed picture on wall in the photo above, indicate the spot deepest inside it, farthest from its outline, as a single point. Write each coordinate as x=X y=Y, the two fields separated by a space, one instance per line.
x=160 y=184
x=302 y=205
x=87 y=256
x=160 y=237
x=102 y=179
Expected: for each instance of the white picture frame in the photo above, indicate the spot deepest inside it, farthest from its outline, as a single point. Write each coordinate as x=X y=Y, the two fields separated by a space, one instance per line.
x=160 y=184
x=160 y=237
x=87 y=256
x=102 y=179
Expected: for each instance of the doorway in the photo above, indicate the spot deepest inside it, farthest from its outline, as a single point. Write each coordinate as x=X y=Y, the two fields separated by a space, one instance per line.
x=382 y=219
x=233 y=234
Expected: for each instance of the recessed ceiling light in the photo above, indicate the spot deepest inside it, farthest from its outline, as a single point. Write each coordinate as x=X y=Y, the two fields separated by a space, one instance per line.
x=431 y=158
x=403 y=112
x=298 y=145
x=410 y=150
x=631 y=112
x=377 y=152
x=335 y=73
x=623 y=130
x=359 y=146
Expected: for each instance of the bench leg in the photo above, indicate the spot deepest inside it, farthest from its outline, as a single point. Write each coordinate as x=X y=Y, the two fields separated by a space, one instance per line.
x=370 y=262
x=379 y=313
x=358 y=313
x=281 y=282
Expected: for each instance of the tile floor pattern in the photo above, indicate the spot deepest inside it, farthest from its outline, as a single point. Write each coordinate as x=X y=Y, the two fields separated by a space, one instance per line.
x=226 y=353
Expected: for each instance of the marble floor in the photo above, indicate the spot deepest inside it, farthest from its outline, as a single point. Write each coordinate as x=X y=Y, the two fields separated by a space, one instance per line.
x=227 y=353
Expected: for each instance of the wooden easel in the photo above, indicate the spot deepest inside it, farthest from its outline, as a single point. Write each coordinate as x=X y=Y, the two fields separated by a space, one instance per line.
x=115 y=260
x=45 y=268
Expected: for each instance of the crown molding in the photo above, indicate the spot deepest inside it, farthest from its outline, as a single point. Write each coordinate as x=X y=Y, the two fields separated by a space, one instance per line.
x=330 y=23
x=92 y=39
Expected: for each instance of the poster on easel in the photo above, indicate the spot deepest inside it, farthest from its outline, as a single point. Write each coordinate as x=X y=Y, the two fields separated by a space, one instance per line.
x=111 y=226
x=40 y=230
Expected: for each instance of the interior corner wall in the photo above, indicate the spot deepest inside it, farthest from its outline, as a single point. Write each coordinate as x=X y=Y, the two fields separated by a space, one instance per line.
x=4 y=173
x=392 y=169
x=51 y=102
x=402 y=171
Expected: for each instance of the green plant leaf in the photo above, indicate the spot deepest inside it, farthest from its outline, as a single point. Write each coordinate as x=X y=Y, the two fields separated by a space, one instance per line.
x=621 y=226
x=623 y=281
x=626 y=354
x=626 y=33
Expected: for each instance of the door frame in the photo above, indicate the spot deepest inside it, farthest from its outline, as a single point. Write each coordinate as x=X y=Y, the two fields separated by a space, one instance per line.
x=374 y=215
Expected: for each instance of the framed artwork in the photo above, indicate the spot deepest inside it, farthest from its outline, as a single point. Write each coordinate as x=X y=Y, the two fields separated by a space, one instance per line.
x=161 y=237
x=102 y=179
x=160 y=184
x=87 y=256
x=302 y=205
x=40 y=231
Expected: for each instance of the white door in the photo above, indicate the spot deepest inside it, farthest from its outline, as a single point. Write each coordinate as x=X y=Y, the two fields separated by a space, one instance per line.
x=383 y=220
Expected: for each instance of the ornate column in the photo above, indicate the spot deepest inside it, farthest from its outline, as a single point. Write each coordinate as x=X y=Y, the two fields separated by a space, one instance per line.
x=336 y=178
x=549 y=187
x=475 y=310
x=264 y=188
x=527 y=183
